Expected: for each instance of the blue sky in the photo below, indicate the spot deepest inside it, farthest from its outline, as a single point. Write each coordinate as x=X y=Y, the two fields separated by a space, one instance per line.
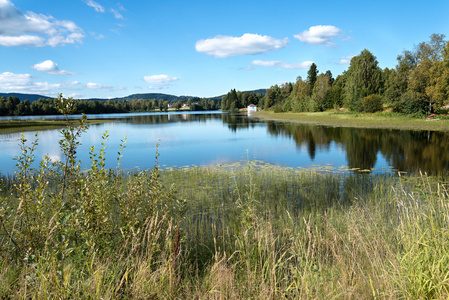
x=103 y=48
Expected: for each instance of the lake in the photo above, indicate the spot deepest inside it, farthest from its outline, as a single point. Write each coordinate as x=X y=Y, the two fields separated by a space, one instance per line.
x=210 y=138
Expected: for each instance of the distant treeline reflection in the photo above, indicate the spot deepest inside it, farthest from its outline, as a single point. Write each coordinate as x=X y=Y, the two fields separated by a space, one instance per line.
x=405 y=150
x=170 y=118
x=234 y=121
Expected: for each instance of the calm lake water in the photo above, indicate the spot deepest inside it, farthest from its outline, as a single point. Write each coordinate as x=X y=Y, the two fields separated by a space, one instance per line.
x=210 y=138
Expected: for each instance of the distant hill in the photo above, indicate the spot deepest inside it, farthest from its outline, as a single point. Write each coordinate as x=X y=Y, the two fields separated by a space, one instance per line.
x=23 y=97
x=157 y=96
x=259 y=91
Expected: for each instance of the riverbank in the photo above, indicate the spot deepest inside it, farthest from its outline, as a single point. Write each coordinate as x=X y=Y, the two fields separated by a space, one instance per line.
x=358 y=120
x=32 y=125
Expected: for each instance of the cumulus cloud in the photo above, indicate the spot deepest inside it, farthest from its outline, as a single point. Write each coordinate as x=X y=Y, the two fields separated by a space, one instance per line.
x=159 y=81
x=93 y=85
x=95 y=5
x=11 y=82
x=281 y=64
x=31 y=29
x=25 y=83
x=346 y=60
x=51 y=68
x=227 y=46
x=320 y=35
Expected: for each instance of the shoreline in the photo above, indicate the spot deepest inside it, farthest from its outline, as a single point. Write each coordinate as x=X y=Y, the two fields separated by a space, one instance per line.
x=359 y=120
x=32 y=125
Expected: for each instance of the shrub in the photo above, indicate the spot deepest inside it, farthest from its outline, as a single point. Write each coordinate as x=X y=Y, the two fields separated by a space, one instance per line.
x=371 y=103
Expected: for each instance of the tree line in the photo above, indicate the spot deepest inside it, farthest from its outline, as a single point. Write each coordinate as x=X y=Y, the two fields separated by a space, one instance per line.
x=12 y=106
x=235 y=100
x=418 y=84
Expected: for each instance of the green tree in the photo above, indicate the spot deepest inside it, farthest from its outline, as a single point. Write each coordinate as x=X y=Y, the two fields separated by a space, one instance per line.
x=421 y=91
x=320 y=92
x=438 y=90
x=272 y=97
x=329 y=75
x=397 y=80
x=165 y=105
x=312 y=75
x=364 y=77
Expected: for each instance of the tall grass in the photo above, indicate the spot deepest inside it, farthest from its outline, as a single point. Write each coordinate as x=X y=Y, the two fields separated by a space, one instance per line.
x=247 y=230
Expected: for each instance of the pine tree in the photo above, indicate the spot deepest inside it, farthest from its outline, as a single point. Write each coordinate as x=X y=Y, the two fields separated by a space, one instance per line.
x=312 y=75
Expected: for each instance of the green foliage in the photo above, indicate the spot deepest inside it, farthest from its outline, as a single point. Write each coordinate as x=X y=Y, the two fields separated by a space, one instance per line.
x=312 y=75
x=335 y=97
x=364 y=77
x=237 y=100
x=320 y=93
x=371 y=103
x=412 y=104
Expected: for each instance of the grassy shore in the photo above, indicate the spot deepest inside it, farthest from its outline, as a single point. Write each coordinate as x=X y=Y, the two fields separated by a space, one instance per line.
x=230 y=232
x=359 y=120
x=32 y=125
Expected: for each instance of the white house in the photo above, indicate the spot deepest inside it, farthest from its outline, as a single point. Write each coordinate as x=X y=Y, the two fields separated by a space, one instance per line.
x=251 y=108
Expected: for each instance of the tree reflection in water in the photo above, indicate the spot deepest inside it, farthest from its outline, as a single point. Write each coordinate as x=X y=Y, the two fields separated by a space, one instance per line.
x=404 y=150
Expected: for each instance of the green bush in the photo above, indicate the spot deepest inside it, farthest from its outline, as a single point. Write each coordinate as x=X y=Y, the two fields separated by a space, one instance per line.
x=371 y=103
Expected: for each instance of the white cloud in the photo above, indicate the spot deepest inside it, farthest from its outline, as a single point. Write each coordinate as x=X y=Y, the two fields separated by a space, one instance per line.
x=95 y=5
x=226 y=46
x=31 y=29
x=71 y=85
x=11 y=82
x=51 y=68
x=24 y=40
x=25 y=83
x=281 y=64
x=346 y=60
x=93 y=85
x=320 y=35
x=160 y=81
x=117 y=15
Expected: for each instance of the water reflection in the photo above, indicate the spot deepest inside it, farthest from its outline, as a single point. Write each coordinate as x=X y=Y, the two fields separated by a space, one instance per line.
x=210 y=137
x=404 y=150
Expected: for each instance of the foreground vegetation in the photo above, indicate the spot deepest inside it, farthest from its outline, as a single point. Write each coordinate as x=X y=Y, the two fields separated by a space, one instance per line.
x=360 y=120
x=241 y=231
